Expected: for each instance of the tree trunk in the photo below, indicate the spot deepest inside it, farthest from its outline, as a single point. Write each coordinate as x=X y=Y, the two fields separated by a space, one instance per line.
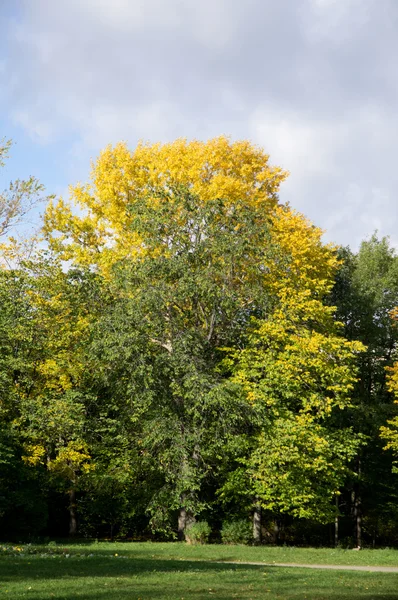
x=357 y=516
x=185 y=518
x=257 y=524
x=356 y=509
x=72 y=512
x=336 y=524
x=358 y=520
x=182 y=523
x=275 y=533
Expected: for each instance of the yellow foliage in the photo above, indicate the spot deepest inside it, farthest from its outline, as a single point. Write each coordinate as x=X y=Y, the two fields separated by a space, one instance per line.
x=311 y=266
x=71 y=459
x=297 y=352
x=34 y=454
x=101 y=233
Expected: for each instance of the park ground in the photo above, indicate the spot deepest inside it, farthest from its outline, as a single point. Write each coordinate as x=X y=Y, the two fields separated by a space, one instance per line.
x=171 y=571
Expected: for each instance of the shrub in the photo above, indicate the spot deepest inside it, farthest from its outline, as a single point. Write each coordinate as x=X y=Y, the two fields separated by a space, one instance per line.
x=236 y=532
x=198 y=533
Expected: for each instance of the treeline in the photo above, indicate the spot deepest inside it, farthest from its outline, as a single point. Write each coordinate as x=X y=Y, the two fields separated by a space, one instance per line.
x=179 y=346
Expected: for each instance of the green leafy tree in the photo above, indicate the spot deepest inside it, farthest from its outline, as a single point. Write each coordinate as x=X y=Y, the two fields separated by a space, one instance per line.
x=297 y=372
x=22 y=504
x=365 y=293
x=191 y=292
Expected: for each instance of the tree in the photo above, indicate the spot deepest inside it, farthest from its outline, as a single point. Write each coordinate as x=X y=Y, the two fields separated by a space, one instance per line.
x=365 y=292
x=19 y=198
x=296 y=372
x=65 y=430
x=389 y=432
x=163 y=209
x=22 y=502
x=201 y=258
x=51 y=395
x=191 y=291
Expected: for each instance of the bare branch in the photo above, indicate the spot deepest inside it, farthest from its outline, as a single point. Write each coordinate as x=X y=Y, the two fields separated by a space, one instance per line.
x=166 y=345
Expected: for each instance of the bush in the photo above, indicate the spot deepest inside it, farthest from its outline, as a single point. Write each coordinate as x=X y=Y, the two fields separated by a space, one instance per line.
x=198 y=533
x=237 y=532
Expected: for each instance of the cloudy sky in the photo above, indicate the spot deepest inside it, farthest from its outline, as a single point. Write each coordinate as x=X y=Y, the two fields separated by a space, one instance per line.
x=314 y=82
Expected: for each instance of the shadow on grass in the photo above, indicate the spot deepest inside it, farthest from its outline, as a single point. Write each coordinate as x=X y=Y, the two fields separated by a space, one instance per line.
x=117 y=578
x=15 y=569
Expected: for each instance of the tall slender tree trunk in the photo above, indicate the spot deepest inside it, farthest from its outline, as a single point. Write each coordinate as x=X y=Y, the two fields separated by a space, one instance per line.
x=356 y=508
x=275 y=533
x=358 y=520
x=257 y=523
x=72 y=512
x=336 y=523
x=357 y=516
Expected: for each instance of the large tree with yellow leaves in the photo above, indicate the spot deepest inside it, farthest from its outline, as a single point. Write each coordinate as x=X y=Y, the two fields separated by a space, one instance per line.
x=204 y=260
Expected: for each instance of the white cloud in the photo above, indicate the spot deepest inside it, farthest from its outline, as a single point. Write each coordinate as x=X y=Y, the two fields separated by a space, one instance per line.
x=313 y=81
x=336 y=21
x=128 y=15
x=42 y=131
x=304 y=147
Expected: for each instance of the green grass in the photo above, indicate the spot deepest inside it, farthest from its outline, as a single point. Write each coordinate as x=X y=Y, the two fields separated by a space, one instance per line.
x=132 y=571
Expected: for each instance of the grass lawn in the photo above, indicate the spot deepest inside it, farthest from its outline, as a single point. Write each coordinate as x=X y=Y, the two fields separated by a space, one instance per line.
x=133 y=571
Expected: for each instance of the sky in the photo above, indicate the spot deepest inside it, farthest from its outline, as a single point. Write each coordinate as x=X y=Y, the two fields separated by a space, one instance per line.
x=314 y=82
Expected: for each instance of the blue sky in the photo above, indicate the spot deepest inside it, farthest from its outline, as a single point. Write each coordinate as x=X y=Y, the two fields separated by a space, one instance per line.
x=314 y=82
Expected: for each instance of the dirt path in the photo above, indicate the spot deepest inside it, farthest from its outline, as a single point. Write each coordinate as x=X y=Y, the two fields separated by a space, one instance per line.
x=300 y=566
